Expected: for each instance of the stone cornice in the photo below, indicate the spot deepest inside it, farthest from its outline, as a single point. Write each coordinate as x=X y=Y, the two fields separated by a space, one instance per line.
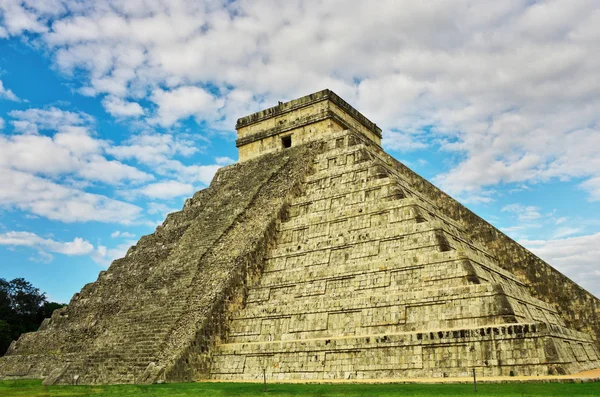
x=307 y=100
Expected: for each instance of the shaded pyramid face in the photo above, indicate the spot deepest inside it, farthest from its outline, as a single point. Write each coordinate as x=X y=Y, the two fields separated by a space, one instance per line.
x=369 y=279
x=316 y=257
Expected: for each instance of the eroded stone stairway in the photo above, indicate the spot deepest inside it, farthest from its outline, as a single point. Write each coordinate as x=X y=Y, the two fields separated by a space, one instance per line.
x=154 y=314
x=369 y=280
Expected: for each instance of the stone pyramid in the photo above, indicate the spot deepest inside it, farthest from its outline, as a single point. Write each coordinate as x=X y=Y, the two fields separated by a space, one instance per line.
x=316 y=257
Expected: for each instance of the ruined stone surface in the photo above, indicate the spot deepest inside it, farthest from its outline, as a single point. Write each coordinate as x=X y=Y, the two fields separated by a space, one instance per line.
x=373 y=276
x=155 y=313
x=326 y=260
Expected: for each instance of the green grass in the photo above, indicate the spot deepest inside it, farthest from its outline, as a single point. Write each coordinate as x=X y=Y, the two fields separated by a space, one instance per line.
x=29 y=388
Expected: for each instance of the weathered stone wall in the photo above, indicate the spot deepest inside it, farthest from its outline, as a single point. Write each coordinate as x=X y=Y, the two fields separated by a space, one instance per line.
x=239 y=257
x=312 y=117
x=508 y=350
x=579 y=309
x=145 y=316
x=369 y=279
x=319 y=126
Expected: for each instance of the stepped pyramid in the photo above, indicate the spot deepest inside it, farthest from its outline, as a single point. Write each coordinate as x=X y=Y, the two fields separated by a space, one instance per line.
x=316 y=257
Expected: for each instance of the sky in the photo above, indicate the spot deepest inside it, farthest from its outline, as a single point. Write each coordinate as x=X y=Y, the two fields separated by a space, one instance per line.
x=112 y=113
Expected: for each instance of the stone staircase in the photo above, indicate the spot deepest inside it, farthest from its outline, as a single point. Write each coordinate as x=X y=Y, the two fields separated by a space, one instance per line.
x=153 y=313
x=368 y=280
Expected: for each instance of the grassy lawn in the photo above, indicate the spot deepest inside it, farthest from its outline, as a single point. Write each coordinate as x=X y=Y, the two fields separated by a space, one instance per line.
x=35 y=389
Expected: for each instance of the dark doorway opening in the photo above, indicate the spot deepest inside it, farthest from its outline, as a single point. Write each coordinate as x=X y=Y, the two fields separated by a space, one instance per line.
x=286 y=141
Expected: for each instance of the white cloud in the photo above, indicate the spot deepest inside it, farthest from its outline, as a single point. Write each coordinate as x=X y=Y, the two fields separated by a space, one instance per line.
x=593 y=187
x=71 y=151
x=109 y=171
x=524 y=213
x=164 y=190
x=457 y=84
x=18 y=16
x=224 y=161
x=513 y=230
x=576 y=257
x=157 y=150
x=45 y=198
x=104 y=255
x=2 y=123
x=42 y=257
x=121 y=234
x=401 y=142
x=461 y=85
x=153 y=148
x=33 y=120
x=561 y=220
x=566 y=231
x=184 y=102
x=161 y=209
x=78 y=246
x=189 y=173
x=5 y=93
x=121 y=108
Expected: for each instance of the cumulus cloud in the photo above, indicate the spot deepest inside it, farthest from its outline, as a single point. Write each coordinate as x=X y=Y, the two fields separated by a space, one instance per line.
x=5 y=93
x=33 y=120
x=189 y=173
x=525 y=213
x=161 y=209
x=183 y=102
x=48 y=173
x=566 y=231
x=120 y=234
x=104 y=255
x=2 y=123
x=78 y=246
x=158 y=150
x=401 y=142
x=593 y=187
x=164 y=190
x=154 y=148
x=18 y=16
x=121 y=108
x=51 y=200
x=510 y=113
x=576 y=257
x=224 y=160
x=72 y=150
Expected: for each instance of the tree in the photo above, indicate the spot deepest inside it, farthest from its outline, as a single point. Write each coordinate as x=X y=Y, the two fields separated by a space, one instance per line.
x=6 y=337
x=22 y=309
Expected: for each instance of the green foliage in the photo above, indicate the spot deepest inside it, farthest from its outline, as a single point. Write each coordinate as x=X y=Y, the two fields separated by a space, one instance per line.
x=6 y=335
x=22 y=309
x=35 y=389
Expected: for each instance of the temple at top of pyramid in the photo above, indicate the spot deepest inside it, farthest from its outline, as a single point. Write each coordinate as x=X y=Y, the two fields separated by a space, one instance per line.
x=313 y=117
x=316 y=257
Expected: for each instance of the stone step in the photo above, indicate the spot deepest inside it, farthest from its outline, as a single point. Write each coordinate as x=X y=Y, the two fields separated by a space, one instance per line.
x=396 y=210
x=348 y=301
x=301 y=272
x=492 y=349
x=401 y=237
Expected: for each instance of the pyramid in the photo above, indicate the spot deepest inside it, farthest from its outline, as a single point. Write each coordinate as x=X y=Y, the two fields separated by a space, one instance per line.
x=316 y=257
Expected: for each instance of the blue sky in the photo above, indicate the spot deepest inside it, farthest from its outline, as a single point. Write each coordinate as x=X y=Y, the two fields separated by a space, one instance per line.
x=112 y=113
